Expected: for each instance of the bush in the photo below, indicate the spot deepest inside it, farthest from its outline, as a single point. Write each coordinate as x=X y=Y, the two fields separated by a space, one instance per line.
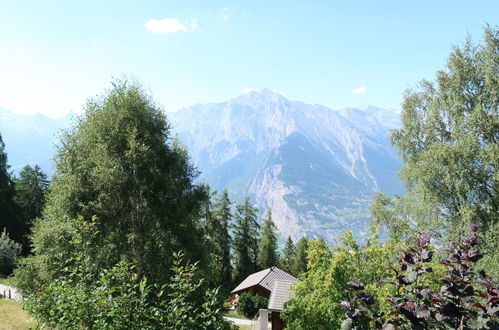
x=468 y=298
x=249 y=305
x=117 y=297
x=9 y=252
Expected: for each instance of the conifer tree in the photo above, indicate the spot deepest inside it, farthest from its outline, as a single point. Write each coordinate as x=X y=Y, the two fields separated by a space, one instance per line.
x=30 y=189
x=218 y=227
x=245 y=241
x=8 y=209
x=300 y=262
x=267 y=254
x=288 y=256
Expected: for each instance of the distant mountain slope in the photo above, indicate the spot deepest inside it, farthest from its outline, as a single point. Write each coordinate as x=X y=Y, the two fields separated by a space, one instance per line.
x=30 y=139
x=316 y=168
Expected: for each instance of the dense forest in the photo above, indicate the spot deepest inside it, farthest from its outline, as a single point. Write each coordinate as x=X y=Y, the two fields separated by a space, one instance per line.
x=124 y=236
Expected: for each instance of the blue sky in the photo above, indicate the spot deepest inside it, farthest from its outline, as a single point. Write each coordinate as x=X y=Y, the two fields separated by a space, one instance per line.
x=56 y=54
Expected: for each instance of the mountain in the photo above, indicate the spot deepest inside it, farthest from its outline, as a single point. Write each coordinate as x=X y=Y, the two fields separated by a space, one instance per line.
x=30 y=139
x=316 y=168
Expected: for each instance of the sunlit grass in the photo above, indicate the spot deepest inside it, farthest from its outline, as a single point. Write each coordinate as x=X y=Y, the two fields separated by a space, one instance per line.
x=12 y=316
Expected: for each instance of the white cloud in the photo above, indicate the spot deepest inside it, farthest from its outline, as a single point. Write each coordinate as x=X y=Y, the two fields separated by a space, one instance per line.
x=170 y=25
x=359 y=90
x=225 y=13
x=247 y=90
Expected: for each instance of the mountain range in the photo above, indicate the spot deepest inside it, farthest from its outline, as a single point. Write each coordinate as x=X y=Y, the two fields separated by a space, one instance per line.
x=316 y=168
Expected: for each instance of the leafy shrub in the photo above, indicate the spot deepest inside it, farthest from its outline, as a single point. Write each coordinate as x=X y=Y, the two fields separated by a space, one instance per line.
x=118 y=298
x=315 y=304
x=249 y=305
x=9 y=252
x=469 y=299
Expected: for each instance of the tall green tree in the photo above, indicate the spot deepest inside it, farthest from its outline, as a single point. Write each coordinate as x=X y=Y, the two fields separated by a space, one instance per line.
x=119 y=168
x=288 y=256
x=300 y=262
x=245 y=241
x=9 y=218
x=218 y=231
x=449 y=144
x=267 y=254
x=30 y=189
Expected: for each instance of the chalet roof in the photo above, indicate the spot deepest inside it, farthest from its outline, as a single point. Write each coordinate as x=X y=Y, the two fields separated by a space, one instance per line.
x=265 y=278
x=281 y=292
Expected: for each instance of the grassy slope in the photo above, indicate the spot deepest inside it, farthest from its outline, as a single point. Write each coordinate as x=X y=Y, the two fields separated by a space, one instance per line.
x=12 y=316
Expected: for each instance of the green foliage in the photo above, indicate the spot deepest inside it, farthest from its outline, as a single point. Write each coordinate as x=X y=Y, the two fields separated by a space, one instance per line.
x=315 y=304
x=449 y=146
x=31 y=187
x=9 y=253
x=288 y=256
x=245 y=241
x=249 y=305
x=300 y=260
x=267 y=254
x=8 y=209
x=468 y=298
x=119 y=164
x=117 y=297
x=218 y=232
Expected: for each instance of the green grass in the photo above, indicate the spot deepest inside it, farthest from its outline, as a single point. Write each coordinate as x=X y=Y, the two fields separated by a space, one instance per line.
x=244 y=327
x=234 y=314
x=6 y=281
x=12 y=316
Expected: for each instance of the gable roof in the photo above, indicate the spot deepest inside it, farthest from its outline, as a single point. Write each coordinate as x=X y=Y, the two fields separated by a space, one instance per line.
x=265 y=278
x=281 y=292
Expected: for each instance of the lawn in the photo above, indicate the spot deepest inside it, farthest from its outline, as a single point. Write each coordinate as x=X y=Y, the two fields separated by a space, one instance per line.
x=6 y=281
x=12 y=316
x=234 y=314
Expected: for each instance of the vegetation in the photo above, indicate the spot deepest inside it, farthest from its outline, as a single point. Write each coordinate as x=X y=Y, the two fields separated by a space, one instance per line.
x=9 y=211
x=245 y=241
x=449 y=145
x=12 y=316
x=288 y=256
x=9 y=253
x=30 y=190
x=249 y=305
x=267 y=254
x=468 y=298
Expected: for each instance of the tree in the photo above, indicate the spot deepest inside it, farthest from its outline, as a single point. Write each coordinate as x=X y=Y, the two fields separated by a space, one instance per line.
x=8 y=209
x=267 y=254
x=288 y=256
x=9 y=253
x=117 y=298
x=218 y=232
x=245 y=241
x=119 y=168
x=223 y=214
x=449 y=144
x=300 y=262
x=30 y=189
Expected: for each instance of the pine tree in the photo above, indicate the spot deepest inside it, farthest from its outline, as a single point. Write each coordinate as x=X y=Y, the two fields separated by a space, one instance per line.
x=300 y=262
x=245 y=241
x=288 y=256
x=267 y=254
x=9 y=213
x=218 y=227
x=30 y=189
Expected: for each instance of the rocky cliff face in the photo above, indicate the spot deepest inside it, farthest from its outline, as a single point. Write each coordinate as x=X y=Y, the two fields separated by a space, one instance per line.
x=316 y=168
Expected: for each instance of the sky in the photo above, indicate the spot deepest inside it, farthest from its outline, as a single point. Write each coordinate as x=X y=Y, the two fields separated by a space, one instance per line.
x=56 y=54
